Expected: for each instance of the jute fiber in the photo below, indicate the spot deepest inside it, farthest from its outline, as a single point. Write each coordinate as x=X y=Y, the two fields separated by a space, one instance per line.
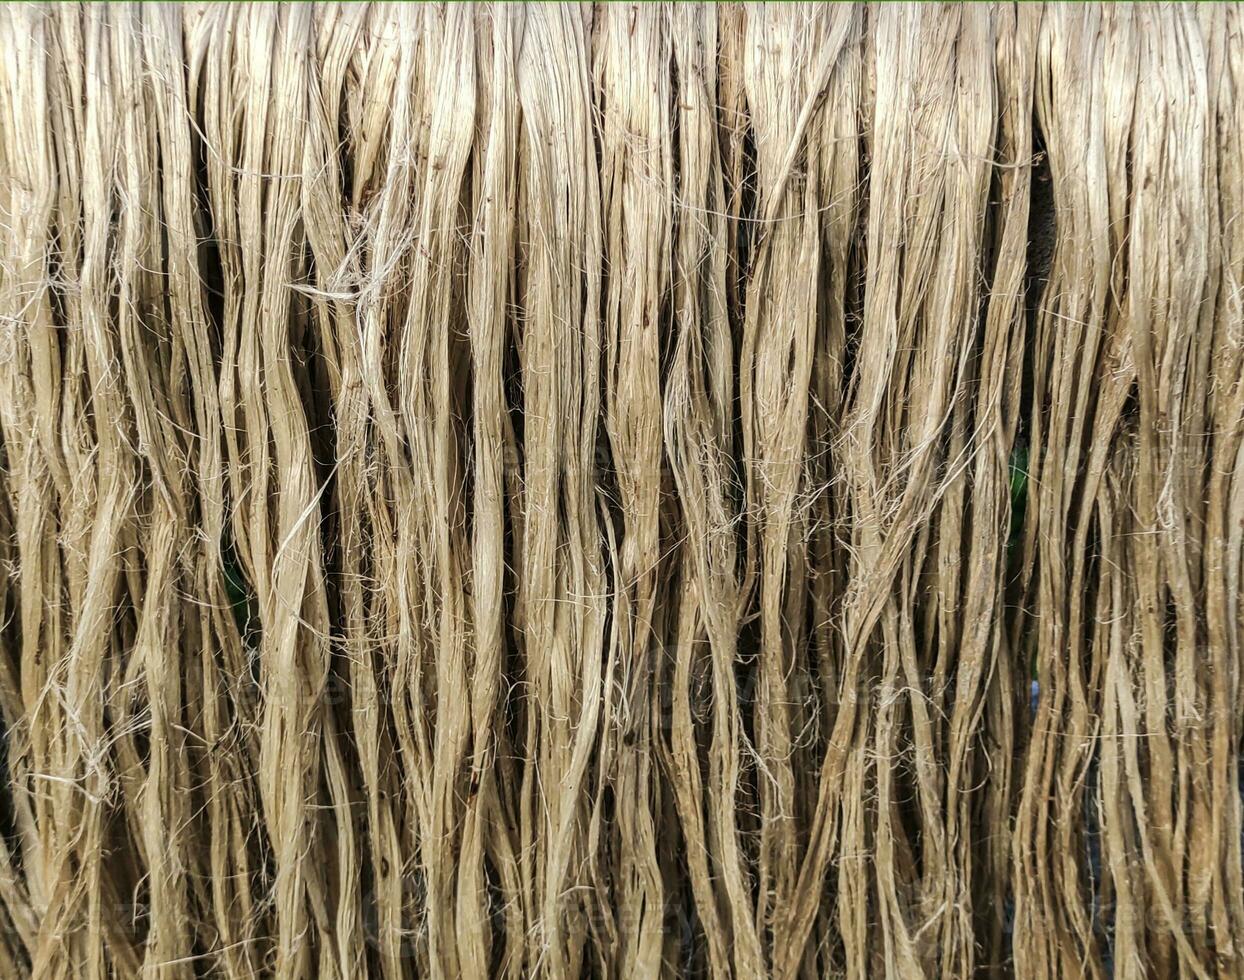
x=622 y=491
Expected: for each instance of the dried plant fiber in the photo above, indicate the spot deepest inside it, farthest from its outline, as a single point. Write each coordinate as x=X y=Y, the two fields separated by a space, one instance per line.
x=621 y=490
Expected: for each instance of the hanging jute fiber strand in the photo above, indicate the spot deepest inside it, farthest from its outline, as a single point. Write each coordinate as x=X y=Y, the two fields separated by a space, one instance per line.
x=621 y=491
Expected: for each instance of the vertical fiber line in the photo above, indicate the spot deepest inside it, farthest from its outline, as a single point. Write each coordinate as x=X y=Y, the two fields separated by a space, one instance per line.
x=810 y=941
x=991 y=689
x=102 y=470
x=154 y=789
x=254 y=193
x=1223 y=557
x=698 y=444
x=1168 y=329
x=35 y=475
x=1115 y=626
x=383 y=189
x=285 y=523
x=788 y=62
x=429 y=396
x=561 y=596
x=240 y=859
x=1082 y=375
x=905 y=446
x=354 y=748
x=488 y=828
x=632 y=86
x=970 y=663
x=220 y=763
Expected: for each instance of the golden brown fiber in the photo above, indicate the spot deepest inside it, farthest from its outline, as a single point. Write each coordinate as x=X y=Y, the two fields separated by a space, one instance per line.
x=621 y=490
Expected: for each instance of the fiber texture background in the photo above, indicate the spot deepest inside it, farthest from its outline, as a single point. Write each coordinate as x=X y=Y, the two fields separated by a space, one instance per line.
x=621 y=490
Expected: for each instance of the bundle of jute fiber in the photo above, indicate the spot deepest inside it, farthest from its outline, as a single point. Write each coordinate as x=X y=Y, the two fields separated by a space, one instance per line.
x=621 y=490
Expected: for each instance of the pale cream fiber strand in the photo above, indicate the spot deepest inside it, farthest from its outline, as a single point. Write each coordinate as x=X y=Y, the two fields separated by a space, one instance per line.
x=584 y=490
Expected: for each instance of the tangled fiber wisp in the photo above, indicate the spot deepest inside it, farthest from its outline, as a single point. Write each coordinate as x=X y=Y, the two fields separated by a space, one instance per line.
x=621 y=490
